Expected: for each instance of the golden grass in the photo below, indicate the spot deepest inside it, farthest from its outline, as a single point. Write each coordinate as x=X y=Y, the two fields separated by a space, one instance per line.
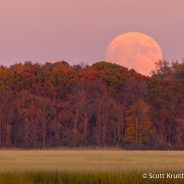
x=90 y=161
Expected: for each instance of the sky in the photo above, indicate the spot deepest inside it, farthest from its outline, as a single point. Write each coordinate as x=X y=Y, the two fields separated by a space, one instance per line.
x=79 y=31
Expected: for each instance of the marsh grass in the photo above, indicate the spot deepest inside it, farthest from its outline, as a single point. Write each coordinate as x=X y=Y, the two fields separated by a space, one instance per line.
x=80 y=178
x=87 y=167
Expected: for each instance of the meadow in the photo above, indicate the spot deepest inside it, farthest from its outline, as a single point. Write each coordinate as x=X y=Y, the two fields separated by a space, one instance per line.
x=87 y=166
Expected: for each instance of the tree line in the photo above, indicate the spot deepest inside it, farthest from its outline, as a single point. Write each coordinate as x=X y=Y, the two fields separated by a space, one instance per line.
x=102 y=105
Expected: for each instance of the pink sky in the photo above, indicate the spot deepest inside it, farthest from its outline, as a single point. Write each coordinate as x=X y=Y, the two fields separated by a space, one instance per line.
x=80 y=30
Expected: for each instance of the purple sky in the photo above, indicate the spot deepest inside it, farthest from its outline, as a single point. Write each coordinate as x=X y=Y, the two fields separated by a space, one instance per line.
x=80 y=30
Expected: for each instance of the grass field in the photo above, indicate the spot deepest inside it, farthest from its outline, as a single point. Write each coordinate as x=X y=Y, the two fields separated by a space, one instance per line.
x=97 y=167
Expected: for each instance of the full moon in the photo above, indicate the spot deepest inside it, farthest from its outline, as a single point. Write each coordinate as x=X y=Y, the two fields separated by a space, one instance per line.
x=136 y=51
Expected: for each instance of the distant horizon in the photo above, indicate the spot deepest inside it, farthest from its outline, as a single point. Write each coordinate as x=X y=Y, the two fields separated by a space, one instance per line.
x=84 y=63
x=43 y=61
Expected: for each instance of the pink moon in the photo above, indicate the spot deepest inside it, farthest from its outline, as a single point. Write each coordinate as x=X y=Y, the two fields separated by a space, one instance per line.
x=136 y=51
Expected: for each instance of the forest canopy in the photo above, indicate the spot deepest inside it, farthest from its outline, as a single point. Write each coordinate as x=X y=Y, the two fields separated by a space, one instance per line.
x=102 y=105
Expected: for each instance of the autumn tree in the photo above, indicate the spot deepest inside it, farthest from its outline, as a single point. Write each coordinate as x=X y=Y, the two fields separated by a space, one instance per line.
x=56 y=104
x=138 y=123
